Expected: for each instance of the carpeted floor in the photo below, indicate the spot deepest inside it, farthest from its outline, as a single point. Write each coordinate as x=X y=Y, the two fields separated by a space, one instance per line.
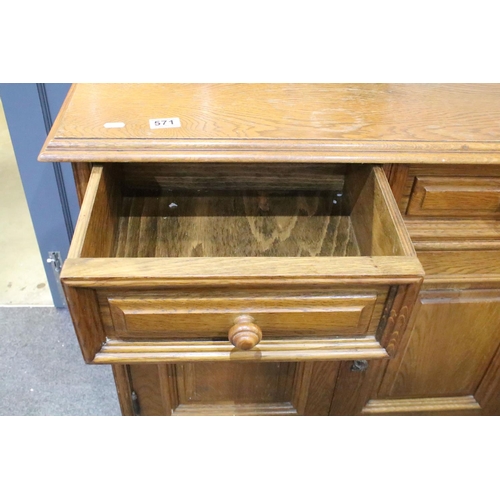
x=42 y=371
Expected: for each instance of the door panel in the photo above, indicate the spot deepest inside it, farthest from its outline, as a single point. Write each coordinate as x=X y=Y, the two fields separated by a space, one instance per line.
x=452 y=342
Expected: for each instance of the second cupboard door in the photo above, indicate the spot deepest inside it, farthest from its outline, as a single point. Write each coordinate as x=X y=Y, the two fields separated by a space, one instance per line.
x=451 y=345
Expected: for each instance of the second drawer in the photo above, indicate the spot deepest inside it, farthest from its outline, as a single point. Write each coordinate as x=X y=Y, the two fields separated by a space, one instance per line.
x=461 y=197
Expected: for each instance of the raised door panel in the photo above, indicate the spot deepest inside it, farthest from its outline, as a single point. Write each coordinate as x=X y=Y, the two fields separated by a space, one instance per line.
x=454 y=337
x=234 y=388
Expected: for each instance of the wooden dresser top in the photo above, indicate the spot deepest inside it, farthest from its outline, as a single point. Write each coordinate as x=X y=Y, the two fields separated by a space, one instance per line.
x=373 y=123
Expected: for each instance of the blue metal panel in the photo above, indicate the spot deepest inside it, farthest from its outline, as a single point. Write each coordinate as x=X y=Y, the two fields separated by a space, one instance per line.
x=56 y=92
x=28 y=130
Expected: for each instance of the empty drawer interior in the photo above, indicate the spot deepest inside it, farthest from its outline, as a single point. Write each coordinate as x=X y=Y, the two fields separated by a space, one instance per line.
x=185 y=210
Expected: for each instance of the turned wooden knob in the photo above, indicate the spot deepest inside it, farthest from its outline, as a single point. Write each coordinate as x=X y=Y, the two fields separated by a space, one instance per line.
x=244 y=334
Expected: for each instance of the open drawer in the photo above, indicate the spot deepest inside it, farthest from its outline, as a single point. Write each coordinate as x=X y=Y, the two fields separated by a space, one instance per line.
x=196 y=263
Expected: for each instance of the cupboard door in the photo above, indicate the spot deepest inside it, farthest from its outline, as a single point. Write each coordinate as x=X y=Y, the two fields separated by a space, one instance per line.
x=236 y=388
x=451 y=345
x=233 y=388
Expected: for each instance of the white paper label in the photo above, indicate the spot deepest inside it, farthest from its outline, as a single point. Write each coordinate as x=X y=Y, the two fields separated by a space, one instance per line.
x=114 y=125
x=164 y=123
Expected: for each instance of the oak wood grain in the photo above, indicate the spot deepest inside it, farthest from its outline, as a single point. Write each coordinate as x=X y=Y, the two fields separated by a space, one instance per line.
x=81 y=174
x=267 y=162
x=313 y=387
x=452 y=172
x=455 y=235
x=223 y=271
x=83 y=306
x=399 y=308
x=450 y=346
x=445 y=406
x=239 y=225
x=461 y=266
x=139 y=235
x=487 y=393
x=123 y=389
x=269 y=224
x=240 y=409
x=98 y=219
x=387 y=123
x=354 y=388
x=145 y=382
x=455 y=197
x=391 y=236
x=376 y=220
x=149 y=251
x=397 y=175
x=234 y=388
x=230 y=176
x=322 y=349
x=212 y=314
x=235 y=383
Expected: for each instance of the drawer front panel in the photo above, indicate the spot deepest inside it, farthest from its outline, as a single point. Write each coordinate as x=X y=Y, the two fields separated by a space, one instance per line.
x=136 y=317
x=455 y=197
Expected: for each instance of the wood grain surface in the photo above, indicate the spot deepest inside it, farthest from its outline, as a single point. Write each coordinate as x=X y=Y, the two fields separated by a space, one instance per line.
x=121 y=375
x=300 y=225
x=404 y=177
x=307 y=349
x=230 y=176
x=419 y=123
x=234 y=388
x=450 y=346
x=455 y=197
x=235 y=383
x=213 y=315
x=81 y=174
x=354 y=388
x=445 y=406
x=183 y=229
x=489 y=389
x=461 y=266
x=233 y=225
